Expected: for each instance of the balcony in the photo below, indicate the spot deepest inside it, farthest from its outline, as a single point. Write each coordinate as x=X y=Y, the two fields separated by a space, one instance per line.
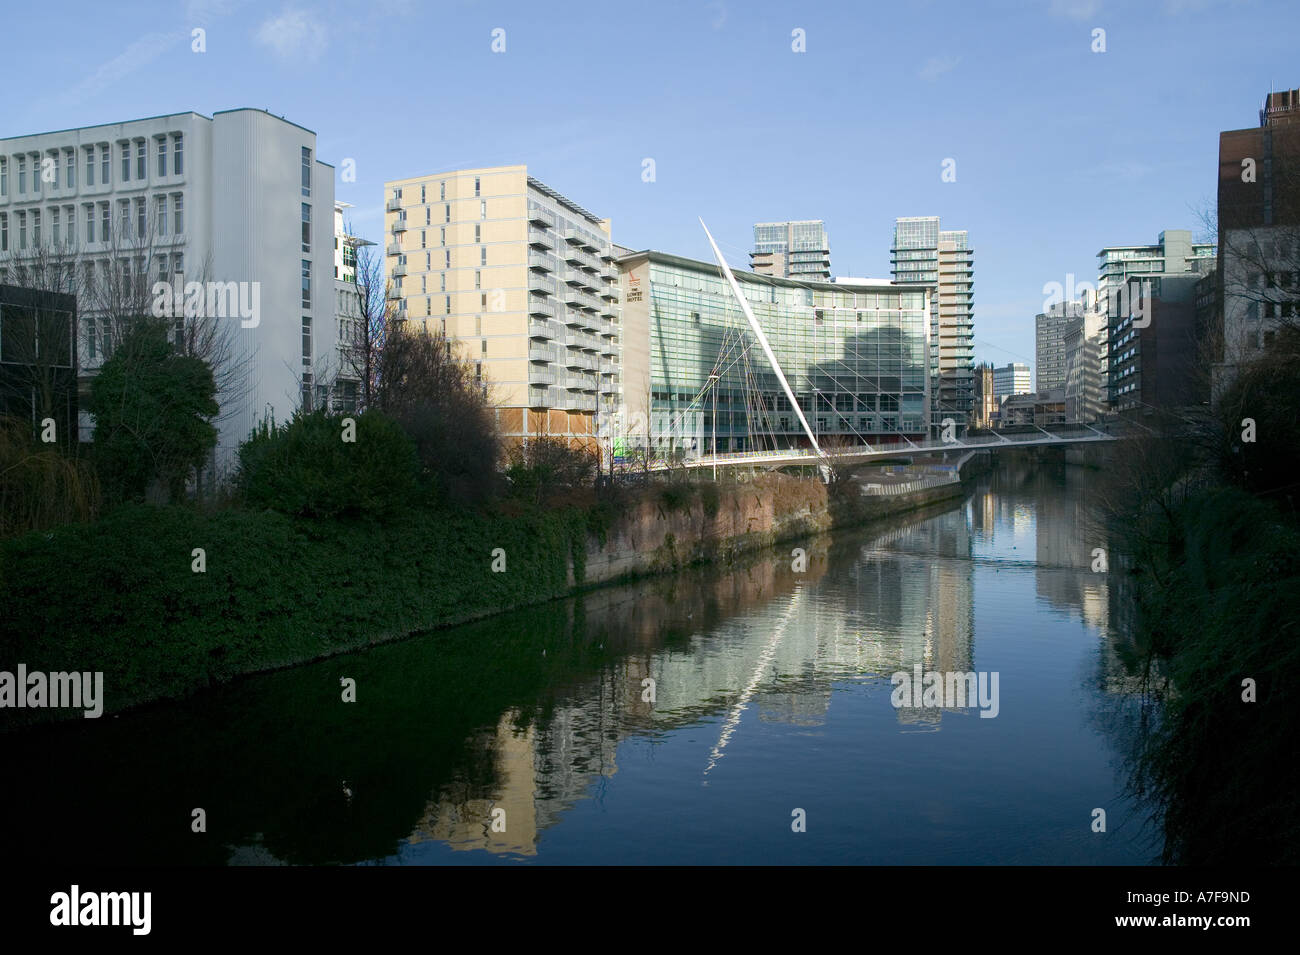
x=543 y=309
x=610 y=292
x=540 y=217
x=540 y=328
x=394 y=248
x=394 y=293
x=540 y=260
x=399 y=226
x=541 y=376
x=586 y=403
x=541 y=351
x=398 y=269
x=393 y=205
x=538 y=238
x=541 y=283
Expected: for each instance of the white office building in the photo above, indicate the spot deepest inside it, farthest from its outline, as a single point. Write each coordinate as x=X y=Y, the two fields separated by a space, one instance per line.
x=239 y=197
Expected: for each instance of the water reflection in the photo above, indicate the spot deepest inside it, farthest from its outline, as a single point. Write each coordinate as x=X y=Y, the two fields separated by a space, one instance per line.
x=501 y=739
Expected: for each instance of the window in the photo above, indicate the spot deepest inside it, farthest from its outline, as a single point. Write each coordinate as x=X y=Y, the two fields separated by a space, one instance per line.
x=104 y=166
x=446 y=211
x=4 y=232
x=36 y=174
x=306 y=172
x=306 y=339
x=55 y=224
x=478 y=279
x=36 y=229
x=126 y=162
x=444 y=235
x=22 y=175
x=482 y=209
x=478 y=232
x=162 y=155
x=423 y=244
x=22 y=230
x=178 y=154
x=70 y=169
x=90 y=165
x=422 y=200
x=482 y=256
x=4 y=177
x=442 y=191
x=306 y=283
x=178 y=264
x=442 y=281
x=477 y=183
x=448 y=255
x=162 y=215
x=140 y=159
x=306 y=226
x=141 y=218
x=448 y=304
x=178 y=203
x=428 y=216
x=105 y=222
x=162 y=268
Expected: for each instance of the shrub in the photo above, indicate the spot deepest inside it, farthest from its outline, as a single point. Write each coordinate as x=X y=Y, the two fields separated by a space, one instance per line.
x=153 y=411
x=305 y=467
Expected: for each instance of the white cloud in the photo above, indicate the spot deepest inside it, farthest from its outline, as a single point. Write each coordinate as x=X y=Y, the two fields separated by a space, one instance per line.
x=294 y=34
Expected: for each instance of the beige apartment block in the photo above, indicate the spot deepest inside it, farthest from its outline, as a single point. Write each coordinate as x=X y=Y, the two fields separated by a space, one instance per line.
x=523 y=280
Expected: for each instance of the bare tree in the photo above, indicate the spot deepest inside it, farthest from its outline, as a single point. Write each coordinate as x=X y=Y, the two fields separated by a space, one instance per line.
x=367 y=325
x=130 y=252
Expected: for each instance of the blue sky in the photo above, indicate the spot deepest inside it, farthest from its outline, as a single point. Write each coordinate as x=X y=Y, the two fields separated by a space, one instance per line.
x=1059 y=150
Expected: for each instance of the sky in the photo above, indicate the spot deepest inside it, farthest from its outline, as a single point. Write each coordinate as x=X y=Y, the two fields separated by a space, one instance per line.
x=1057 y=149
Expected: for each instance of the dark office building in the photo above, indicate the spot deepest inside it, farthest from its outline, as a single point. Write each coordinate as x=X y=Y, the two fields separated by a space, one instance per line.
x=38 y=360
x=1259 y=231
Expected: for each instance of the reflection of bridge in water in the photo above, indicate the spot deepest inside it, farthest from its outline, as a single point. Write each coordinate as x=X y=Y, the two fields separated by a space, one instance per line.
x=786 y=639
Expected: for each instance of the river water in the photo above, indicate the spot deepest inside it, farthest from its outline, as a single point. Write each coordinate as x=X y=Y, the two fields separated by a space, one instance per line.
x=535 y=737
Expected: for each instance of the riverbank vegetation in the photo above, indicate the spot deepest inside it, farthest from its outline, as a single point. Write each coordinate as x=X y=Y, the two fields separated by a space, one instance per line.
x=1207 y=517
x=339 y=529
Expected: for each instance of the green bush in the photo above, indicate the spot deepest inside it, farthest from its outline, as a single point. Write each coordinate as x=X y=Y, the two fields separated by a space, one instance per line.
x=122 y=596
x=153 y=411
x=306 y=468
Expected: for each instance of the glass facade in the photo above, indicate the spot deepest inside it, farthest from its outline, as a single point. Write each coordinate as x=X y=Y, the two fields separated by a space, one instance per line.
x=855 y=358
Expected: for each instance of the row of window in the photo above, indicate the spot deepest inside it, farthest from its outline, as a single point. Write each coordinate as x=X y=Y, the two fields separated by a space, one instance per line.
x=133 y=222
x=133 y=154
x=442 y=192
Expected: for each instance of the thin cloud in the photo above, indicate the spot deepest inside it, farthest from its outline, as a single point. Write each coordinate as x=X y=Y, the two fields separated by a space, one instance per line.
x=134 y=58
x=1075 y=9
x=294 y=34
x=936 y=66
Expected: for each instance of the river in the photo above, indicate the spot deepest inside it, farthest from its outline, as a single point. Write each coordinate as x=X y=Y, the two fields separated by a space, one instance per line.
x=768 y=735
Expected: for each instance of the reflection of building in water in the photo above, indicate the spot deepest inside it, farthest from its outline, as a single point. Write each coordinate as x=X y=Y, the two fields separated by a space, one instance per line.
x=1068 y=533
x=905 y=600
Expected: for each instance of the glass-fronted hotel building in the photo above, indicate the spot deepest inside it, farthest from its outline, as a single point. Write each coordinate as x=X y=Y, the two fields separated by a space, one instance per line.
x=856 y=357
